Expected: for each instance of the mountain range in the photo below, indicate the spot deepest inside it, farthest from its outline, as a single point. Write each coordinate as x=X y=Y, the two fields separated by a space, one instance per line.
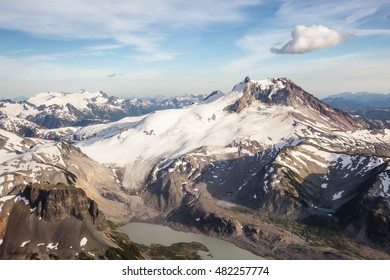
x=42 y=114
x=365 y=104
x=267 y=166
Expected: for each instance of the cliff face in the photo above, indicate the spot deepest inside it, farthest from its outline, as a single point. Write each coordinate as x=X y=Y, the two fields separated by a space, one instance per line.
x=285 y=92
x=60 y=201
x=52 y=221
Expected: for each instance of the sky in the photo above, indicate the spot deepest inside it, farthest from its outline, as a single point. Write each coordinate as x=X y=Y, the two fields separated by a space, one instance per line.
x=139 y=48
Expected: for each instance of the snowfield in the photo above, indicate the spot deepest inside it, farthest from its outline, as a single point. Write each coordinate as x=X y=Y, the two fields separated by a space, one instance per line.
x=169 y=134
x=138 y=143
x=80 y=100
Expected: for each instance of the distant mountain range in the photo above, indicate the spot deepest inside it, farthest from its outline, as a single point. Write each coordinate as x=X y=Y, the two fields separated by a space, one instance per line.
x=365 y=104
x=52 y=113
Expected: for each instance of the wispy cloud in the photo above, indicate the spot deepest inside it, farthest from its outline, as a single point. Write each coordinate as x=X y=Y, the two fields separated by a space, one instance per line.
x=372 y=32
x=18 y=51
x=156 y=56
x=256 y=44
x=138 y=23
x=104 y=47
x=339 y=14
x=310 y=38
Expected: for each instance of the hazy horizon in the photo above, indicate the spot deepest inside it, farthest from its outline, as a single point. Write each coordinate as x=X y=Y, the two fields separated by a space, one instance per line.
x=23 y=97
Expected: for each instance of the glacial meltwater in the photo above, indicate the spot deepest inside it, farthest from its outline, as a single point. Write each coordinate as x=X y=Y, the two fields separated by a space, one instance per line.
x=148 y=234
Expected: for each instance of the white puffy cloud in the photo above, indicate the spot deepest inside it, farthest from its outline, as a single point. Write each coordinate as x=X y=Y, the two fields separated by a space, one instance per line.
x=310 y=38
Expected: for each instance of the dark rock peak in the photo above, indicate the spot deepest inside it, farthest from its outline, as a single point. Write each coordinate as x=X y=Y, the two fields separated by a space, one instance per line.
x=282 y=91
x=270 y=92
x=215 y=93
x=56 y=202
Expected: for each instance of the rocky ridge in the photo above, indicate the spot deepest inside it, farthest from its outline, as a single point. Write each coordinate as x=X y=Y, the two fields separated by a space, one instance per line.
x=51 y=221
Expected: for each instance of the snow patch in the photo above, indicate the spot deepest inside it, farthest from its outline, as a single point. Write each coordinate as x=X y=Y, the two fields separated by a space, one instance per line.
x=83 y=241
x=6 y=198
x=75 y=166
x=167 y=164
x=52 y=246
x=337 y=195
x=307 y=157
x=24 y=243
x=385 y=182
x=21 y=198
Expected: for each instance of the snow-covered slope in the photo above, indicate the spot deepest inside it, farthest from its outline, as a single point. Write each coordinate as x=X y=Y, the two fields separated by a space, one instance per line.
x=170 y=133
x=166 y=135
x=27 y=160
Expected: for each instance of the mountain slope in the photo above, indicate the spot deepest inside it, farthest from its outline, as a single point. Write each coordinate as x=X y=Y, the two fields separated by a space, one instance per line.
x=27 y=160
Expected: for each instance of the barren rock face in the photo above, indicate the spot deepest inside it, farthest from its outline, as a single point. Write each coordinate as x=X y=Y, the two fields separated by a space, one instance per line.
x=284 y=92
x=52 y=220
x=61 y=201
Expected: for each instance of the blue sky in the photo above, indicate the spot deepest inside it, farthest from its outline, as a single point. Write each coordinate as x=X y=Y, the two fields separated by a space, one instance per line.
x=146 y=48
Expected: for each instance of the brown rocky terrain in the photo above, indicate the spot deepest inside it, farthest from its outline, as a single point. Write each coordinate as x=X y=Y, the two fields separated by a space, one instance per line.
x=52 y=221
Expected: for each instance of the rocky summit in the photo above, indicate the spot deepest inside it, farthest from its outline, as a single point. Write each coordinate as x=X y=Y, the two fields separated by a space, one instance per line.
x=47 y=221
x=267 y=166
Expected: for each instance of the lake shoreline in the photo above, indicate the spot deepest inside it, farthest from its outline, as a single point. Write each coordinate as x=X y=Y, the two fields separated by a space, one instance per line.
x=149 y=233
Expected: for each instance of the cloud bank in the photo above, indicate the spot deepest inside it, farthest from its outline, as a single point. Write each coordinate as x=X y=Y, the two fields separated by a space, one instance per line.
x=310 y=38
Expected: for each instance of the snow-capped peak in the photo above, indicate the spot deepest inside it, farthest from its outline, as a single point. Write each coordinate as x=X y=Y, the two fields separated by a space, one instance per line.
x=241 y=86
x=269 y=83
x=213 y=96
x=80 y=100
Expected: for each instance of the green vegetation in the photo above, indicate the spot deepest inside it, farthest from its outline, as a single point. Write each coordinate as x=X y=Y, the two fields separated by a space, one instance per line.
x=112 y=225
x=247 y=211
x=314 y=235
x=127 y=249
x=177 y=251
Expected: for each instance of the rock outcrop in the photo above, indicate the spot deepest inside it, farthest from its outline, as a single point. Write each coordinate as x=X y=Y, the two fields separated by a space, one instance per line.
x=52 y=221
x=61 y=201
